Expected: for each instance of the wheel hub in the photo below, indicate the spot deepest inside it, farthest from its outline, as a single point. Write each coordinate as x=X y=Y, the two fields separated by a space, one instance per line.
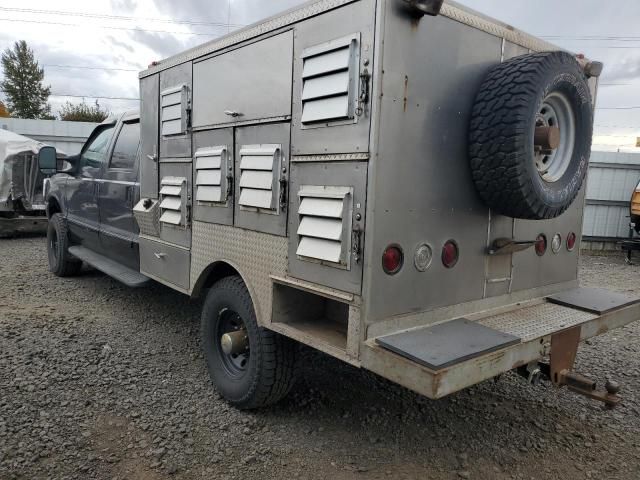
x=554 y=137
x=234 y=343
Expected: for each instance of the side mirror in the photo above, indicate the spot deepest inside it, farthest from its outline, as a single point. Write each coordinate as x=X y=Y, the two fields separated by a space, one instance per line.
x=48 y=160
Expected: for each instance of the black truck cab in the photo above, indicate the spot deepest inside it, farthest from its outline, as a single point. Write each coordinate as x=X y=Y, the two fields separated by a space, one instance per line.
x=90 y=203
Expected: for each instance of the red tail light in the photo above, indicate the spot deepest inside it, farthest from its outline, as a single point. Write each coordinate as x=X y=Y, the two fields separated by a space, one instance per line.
x=541 y=245
x=450 y=254
x=392 y=259
x=571 y=241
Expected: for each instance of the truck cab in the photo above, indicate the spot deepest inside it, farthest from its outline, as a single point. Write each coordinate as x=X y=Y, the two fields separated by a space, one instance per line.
x=90 y=201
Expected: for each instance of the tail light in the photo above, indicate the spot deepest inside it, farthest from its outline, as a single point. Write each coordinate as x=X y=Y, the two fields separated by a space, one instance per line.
x=571 y=241
x=541 y=245
x=392 y=259
x=450 y=254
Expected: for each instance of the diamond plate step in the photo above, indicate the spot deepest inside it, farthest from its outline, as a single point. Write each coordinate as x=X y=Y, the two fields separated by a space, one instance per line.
x=126 y=275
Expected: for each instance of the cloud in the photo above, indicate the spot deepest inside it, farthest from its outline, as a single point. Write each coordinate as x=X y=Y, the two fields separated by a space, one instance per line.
x=123 y=6
x=162 y=44
x=624 y=69
x=120 y=44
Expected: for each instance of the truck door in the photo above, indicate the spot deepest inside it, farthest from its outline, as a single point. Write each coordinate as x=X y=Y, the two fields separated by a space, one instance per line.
x=82 y=190
x=118 y=194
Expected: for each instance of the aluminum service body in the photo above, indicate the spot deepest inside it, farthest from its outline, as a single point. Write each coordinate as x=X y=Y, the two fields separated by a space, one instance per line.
x=294 y=151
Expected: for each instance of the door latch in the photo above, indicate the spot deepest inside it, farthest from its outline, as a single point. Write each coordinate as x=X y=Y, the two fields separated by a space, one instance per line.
x=283 y=193
x=363 y=97
x=229 y=193
x=356 y=243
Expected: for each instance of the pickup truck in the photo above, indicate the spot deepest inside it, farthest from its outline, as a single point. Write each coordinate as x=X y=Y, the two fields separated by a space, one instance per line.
x=90 y=204
x=396 y=183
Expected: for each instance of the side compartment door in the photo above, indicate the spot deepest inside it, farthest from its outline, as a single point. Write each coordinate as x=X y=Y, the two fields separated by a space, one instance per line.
x=118 y=189
x=149 y=121
x=213 y=172
x=83 y=189
x=262 y=168
x=327 y=223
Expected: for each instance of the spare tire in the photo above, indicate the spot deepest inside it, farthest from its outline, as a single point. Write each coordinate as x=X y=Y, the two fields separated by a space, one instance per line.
x=522 y=106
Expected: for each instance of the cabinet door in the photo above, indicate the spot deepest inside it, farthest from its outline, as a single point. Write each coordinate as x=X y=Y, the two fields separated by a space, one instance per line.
x=262 y=169
x=327 y=223
x=150 y=92
x=213 y=171
x=249 y=83
x=175 y=108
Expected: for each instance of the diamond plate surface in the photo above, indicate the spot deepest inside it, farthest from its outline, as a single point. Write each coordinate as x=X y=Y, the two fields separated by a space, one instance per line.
x=497 y=29
x=536 y=321
x=149 y=220
x=338 y=157
x=255 y=255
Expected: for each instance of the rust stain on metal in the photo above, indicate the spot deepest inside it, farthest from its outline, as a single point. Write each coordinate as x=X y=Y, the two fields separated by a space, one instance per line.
x=406 y=92
x=564 y=347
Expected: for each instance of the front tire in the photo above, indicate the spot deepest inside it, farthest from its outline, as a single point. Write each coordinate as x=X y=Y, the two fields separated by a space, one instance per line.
x=263 y=371
x=61 y=262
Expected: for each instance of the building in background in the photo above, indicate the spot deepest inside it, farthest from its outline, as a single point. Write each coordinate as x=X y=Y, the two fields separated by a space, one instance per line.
x=613 y=177
x=67 y=137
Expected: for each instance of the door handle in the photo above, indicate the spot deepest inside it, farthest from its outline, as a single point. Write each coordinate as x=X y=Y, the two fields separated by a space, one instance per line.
x=160 y=255
x=232 y=113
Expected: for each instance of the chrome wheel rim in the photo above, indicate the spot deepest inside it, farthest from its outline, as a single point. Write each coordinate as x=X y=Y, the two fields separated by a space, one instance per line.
x=556 y=112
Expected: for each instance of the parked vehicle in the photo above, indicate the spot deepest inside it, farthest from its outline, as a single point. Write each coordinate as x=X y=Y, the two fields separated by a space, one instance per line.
x=397 y=183
x=22 y=205
x=90 y=204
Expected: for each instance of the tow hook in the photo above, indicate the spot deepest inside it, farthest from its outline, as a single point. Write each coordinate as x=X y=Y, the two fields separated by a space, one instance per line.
x=564 y=347
x=585 y=386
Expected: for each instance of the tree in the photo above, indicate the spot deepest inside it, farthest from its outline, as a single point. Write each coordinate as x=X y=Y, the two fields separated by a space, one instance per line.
x=4 y=113
x=23 y=84
x=81 y=112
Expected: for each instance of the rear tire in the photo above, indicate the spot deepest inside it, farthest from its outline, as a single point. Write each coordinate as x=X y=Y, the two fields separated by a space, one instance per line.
x=263 y=373
x=61 y=262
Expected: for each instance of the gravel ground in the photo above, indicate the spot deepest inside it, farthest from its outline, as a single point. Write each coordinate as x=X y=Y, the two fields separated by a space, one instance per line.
x=98 y=381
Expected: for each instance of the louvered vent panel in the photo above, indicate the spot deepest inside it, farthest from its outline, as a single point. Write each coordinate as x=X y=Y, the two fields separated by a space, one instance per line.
x=324 y=223
x=259 y=165
x=209 y=173
x=172 y=110
x=172 y=201
x=327 y=77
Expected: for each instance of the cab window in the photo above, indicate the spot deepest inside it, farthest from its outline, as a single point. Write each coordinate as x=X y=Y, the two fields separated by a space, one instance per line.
x=94 y=155
x=126 y=149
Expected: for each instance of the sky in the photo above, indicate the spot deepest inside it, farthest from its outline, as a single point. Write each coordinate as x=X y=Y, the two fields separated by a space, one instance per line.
x=95 y=49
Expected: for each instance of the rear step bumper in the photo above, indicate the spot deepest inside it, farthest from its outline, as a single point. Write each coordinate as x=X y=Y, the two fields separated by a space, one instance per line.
x=521 y=335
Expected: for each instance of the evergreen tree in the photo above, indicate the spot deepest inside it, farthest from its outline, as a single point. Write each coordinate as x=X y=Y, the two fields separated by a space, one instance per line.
x=23 y=84
x=81 y=112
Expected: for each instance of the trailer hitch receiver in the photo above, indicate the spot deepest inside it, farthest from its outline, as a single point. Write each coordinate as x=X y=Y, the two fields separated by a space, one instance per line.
x=564 y=347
